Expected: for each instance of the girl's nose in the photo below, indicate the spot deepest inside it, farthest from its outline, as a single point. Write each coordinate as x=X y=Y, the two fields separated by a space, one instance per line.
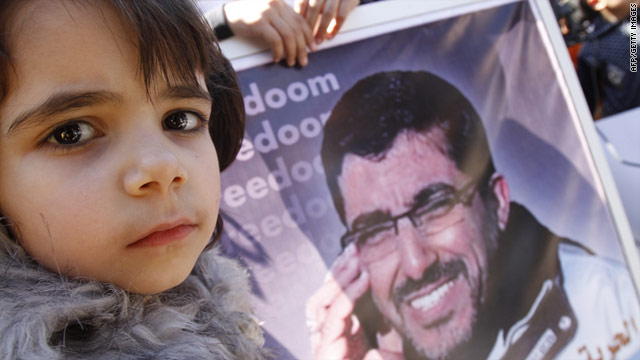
x=153 y=168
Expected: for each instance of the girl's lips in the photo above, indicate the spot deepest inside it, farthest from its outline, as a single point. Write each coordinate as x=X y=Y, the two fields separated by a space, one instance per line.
x=165 y=236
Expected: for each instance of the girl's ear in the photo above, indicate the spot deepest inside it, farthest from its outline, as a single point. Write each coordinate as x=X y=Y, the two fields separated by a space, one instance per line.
x=500 y=189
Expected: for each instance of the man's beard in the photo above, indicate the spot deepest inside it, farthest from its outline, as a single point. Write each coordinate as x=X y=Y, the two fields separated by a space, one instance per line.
x=461 y=343
x=461 y=337
x=452 y=338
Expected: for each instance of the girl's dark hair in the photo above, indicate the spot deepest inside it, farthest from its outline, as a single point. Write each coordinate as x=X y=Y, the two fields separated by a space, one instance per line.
x=175 y=42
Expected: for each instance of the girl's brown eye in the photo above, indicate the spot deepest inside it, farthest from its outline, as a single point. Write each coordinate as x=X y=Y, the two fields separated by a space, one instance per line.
x=182 y=121
x=72 y=133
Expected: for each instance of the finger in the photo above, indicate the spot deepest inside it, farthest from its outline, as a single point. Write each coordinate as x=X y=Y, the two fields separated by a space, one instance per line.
x=328 y=13
x=350 y=251
x=389 y=342
x=288 y=39
x=351 y=294
x=342 y=261
x=373 y=354
x=320 y=303
x=306 y=31
x=342 y=275
x=300 y=30
x=341 y=334
x=339 y=320
x=352 y=345
x=302 y=49
x=272 y=37
x=347 y=266
x=385 y=355
x=314 y=8
x=301 y=7
x=338 y=323
x=338 y=349
x=315 y=338
x=344 y=271
x=346 y=6
x=355 y=325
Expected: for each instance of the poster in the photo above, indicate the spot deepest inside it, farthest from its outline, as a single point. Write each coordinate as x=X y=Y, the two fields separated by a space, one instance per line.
x=623 y=156
x=281 y=220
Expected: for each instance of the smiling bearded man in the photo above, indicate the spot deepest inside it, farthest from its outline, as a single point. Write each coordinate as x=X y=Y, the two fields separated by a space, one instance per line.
x=447 y=264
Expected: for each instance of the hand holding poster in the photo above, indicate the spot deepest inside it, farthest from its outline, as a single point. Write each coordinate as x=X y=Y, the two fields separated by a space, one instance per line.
x=424 y=193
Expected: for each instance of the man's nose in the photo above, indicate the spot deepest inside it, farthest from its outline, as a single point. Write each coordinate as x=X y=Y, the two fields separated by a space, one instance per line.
x=414 y=251
x=152 y=166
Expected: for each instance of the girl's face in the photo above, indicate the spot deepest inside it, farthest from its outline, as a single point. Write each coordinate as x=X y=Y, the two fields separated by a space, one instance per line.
x=101 y=177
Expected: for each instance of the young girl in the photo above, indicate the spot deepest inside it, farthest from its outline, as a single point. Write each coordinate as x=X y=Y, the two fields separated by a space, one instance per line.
x=109 y=184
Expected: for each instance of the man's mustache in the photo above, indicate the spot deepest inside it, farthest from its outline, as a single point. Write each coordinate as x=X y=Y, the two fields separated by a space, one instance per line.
x=431 y=275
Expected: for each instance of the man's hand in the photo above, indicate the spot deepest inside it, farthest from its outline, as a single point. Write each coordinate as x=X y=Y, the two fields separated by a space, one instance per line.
x=335 y=332
x=274 y=22
x=321 y=13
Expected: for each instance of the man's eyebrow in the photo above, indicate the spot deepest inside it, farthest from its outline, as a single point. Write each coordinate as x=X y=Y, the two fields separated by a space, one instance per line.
x=366 y=219
x=427 y=192
x=378 y=216
x=184 y=92
x=58 y=103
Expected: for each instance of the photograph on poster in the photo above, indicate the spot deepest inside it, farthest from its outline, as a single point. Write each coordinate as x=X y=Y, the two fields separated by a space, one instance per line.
x=427 y=193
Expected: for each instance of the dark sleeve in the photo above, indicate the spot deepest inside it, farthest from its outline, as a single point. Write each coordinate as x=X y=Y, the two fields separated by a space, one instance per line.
x=218 y=22
x=587 y=74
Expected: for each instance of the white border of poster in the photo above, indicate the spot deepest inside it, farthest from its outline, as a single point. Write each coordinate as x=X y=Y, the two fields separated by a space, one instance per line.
x=380 y=18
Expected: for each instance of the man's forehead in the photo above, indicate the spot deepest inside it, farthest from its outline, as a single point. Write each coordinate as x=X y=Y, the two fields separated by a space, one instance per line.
x=409 y=149
x=390 y=183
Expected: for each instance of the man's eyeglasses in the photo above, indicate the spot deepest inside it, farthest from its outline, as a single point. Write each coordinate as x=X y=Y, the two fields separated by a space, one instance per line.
x=429 y=216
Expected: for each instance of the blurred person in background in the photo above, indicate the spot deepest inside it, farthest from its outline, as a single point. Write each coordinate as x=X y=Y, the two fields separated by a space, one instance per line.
x=604 y=62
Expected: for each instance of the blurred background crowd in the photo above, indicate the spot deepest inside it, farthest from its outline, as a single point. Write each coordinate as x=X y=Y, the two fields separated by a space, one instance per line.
x=598 y=34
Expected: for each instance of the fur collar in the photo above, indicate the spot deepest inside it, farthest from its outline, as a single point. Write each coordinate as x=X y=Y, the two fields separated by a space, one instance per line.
x=47 y=316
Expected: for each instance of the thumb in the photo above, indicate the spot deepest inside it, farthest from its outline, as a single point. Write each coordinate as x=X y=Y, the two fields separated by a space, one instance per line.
x=373 y=354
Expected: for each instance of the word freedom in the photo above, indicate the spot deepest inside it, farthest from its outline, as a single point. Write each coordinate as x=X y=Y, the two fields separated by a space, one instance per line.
x=276 y=98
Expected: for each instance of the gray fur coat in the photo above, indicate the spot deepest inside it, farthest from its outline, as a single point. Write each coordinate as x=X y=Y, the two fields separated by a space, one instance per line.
x=46 y=316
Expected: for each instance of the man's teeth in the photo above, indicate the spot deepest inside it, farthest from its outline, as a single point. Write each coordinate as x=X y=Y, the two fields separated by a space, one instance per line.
x=428 y=301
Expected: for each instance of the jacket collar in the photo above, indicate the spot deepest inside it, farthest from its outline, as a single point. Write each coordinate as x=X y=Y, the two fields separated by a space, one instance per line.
x=45 y=315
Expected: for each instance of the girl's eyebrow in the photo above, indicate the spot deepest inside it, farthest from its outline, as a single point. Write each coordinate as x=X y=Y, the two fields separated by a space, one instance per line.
x=63 y=101
x=185 y=92
x=58 y=103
